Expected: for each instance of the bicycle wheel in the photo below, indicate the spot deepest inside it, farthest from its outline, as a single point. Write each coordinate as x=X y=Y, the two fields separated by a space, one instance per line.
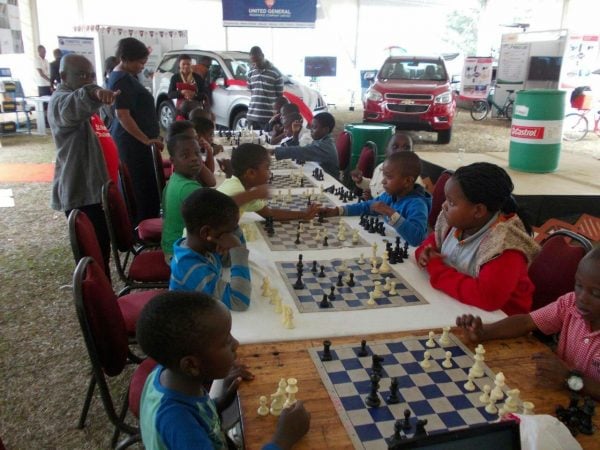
x=575 y=127
x=508 y=112
x=479 y=110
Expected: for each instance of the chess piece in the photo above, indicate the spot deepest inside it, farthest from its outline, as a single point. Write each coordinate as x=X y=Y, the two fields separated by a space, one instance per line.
x=406 y=424
x=430 y=342
x=318 y=235
x=288 y=317
x=322 y=272
x=278 y=398
x=377 y=292
x=266 y=287
x=331 y=296
x=388 y=284
x=291 y=390
x=396 y=438
x=445 y=338
x=372 y=400
x=528 y=408
x=300 y=263
x=485 y=397
x=263 y=409
x=355 y=237
x=374 y=266
x=371 y=300
x=343 y=267
x=469 y=385
x=278 y=303
x=299 y=284
x=425 y=364
x=374 y=250
x=361 y=259
x=377 y=364
x=385 y=267
x=420 y=428
x=393 y=290
x=394 y=397
x=324 y=302
x=491 y=407
x=314 y=267
x=325 y=243
x=326 y=351
x=339 y=280
x=512 y=400
x=497 y=393
x=477 y=368
x=447 y=363
x=363 y=349
x=351 y=280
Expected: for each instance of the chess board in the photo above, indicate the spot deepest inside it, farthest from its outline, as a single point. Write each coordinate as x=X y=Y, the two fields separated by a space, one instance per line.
x=284 y=237
x=287 y=181
x=346 y=298
x=283 y=164
x=298 y=202
x=435 y=394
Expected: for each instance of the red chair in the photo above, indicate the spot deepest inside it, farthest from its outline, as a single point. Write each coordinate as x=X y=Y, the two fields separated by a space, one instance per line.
x=149 y=231
x=105 y=337
x=343 y=144
x=138 y=269
x=366 y=161
x=159 y=170
x=438 y=197
x=553 y=270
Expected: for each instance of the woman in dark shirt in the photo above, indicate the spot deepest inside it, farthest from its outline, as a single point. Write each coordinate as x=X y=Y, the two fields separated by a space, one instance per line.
x=188 y=85
x=137 y=126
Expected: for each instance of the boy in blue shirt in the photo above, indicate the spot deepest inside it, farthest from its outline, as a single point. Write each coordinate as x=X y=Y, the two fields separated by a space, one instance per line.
x=213 y=240
x=189 y=335
x=404 y=204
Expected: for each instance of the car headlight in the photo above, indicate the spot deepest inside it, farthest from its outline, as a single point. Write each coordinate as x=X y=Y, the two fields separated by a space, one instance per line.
x=444 y=98
x=374 y=95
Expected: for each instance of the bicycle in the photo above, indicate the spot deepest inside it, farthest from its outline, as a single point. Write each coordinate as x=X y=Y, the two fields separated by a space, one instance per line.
x=481 y=108
x=576 y=125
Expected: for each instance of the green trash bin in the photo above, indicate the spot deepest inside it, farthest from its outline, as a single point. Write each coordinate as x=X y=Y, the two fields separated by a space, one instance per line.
x=379 y=134
x=536 y=130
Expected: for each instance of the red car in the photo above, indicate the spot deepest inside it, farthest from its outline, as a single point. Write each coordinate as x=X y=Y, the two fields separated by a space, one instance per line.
x=413 y=93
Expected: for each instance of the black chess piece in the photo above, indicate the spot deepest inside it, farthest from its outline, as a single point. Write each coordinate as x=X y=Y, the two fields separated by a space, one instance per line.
x=376 y=364
x=321 y=218
x=363 y=349
x=406 y=424
x=381 y=229
x=301 y=182
x=314 y=268
x=399 y=257
x=339 y=281
x=297 y=241
x=395 y=439
x=372 y=400
x=331 y=296
x=300 y=264
x=299 y=284
x=324 y=302
x=351 y=280
x=322 y=272
x=420 y=428
x=325 y=243
x=394 y=396
x=326 y=351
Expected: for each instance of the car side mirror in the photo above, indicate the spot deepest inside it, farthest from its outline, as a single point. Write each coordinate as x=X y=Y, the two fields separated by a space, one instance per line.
x=220 y=82
x=370 y=77
x=456 y=78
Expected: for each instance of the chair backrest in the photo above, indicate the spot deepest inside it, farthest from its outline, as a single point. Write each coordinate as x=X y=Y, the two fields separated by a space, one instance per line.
x=159 y=174
x=82 y=236
x=438 y=197
x=127 y=189
x=366 y=161
x=553 y=270
x=117 y=218
x=343 y=144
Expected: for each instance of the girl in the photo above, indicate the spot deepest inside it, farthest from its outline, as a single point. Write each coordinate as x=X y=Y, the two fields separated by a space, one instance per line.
x=481 y=248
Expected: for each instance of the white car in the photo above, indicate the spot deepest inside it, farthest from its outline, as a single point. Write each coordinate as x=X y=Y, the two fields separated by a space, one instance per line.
x=231 y=95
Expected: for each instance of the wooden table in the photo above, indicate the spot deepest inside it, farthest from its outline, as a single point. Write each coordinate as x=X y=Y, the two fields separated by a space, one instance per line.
x=271 y=361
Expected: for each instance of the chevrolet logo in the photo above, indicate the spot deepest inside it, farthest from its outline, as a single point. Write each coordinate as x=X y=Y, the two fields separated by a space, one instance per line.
x=407 y=102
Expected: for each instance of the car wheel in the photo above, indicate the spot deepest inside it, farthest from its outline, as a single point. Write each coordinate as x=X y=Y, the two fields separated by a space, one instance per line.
x=443 y=137
x=166 y=114
x=239 y=121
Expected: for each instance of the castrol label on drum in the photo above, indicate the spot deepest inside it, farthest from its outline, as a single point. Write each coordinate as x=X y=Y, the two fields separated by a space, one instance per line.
x=536 y=131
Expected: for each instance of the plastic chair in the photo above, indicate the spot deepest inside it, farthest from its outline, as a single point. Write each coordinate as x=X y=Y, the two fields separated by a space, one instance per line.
x=553 y=270
x=589 y=226
x=366 y=161
x=343 y=144
x=106 y=342
x=149 y=231
x=438 y=197
x=550 y=226
x=138 y=269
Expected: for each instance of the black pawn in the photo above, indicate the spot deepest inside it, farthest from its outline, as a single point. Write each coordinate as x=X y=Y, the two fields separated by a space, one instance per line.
x=396 y=438
x=326 y=352
x=297 y=241
x=373 y=399
x=300 y=264
x=339 y=281
x=314 y=267
x=363 y=349
x=322 y=272
x=405 y=251
x=299 y=284
x=325 y=243
x=420 y=429
x=393 y=398
x=331 y=296
x=376 y=365
x=351 y=280
x=324 y=302
x=406 y=424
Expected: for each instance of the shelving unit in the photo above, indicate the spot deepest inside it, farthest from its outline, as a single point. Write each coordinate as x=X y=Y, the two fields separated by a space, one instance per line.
x=10 y=104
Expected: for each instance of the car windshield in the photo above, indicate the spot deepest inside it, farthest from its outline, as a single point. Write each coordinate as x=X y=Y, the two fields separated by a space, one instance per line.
x=239 y=67
x=413 y=69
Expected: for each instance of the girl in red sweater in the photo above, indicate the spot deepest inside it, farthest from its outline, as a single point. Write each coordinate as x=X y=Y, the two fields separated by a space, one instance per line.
x=481 y=248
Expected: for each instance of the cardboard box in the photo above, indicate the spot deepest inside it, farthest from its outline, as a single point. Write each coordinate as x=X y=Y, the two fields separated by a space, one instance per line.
x=8 y=127
x=9 y=106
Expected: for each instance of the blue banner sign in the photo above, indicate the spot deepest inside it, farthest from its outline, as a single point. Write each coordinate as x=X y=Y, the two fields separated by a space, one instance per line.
x=270 y=13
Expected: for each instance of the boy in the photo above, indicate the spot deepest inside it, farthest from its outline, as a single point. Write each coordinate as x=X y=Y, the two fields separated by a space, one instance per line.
x=575 y=315
x=213 y=240
x=248 y=185
x=205 y=129
x=189 y=335
x=295 y=133
x=404 y=204
x=277 y=134
x=322 y=150
x=400 y=142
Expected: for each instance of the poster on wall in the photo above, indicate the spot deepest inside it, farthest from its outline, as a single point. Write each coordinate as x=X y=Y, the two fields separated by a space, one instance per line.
x=11 y=39
x=476 y=77
x=513 y=63
x=80 y=45
x=580 y=60
x=270 y=13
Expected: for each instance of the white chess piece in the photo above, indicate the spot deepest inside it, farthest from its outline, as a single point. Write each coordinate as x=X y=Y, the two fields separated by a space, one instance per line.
x=263 y=409
x=385 y=267
x=469 y=385
x=361 y=259
x=388 y=284
x=278 y=398
x=277 y=303
x=512 y=400
x=355 y=238
x=425 y=364
x=301 y=227
x=477 y=368
x=266 y=287
x=371 y=300
x=273 y=293
x=497 y=393
x=318 y=235
x=528 y=408
x=377 y=292
x=445 y=339
x=374 y=266
x=430 y=342
x=393 y=289
x=288 y=318
x=447 y=363
x=485 y=397
x=374 y=250
x=491 y=407
x=343 y=266
x=291 y=390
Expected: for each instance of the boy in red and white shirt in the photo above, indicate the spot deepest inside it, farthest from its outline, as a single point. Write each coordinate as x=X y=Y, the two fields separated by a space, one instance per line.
x=575 y=315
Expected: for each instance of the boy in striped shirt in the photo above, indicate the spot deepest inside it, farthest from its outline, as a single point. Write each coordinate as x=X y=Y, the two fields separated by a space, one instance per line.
x=213 y=241
x=575 y=315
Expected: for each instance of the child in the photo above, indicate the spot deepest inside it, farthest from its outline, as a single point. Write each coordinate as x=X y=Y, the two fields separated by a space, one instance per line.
x=480 y=249
x=275 y=124
x=295 y=133
x=404 y=204
x=373 y=187
x=187 y=164
x=185 y=107
x=189 y=335
x=205 y=129
x=576 y=316
x=248 y=185
x=213 y=240
x=278 y=133
x=322 y=150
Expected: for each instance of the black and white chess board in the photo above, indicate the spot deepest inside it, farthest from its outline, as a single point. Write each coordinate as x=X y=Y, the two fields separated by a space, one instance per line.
x=290 y=181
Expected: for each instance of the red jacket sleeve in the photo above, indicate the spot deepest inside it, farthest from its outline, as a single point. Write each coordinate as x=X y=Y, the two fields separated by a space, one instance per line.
x=429 y=242
x=497 y=280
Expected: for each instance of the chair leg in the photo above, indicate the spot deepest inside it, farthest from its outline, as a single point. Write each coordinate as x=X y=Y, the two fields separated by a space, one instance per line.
x=129 y=441
x=122 y=414
x=87 y=402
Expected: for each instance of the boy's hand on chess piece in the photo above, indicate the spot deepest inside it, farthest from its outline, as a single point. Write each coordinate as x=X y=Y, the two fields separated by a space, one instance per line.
x=293 y=423
x=472 y=327
x=225 y=242
x=382 y=208
x=225 y=165
x=261 y=192
x=427 y=254
x=356 y=176
x=328 y=212
x=311 y=211
x=550 y=370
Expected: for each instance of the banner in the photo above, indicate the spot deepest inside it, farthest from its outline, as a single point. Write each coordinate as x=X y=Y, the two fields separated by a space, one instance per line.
x=80 y=45
x=270 y=13
x=476 y=77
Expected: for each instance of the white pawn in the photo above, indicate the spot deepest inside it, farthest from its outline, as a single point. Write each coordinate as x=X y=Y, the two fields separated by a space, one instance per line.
x=388 y=284
x=266 y=287
x=497 y=393
x=361 y=259
x=469 y=385
x=491 y=407
x=374 y=266
x=377 y=292
x=385 y=267
x=291 y=390
x=528 y=408
x=485 y=397
x=278 y=303
x=273 y=293
x=445 y=339
x=430 y=342
x=393 y=290
x=341 y=235
x=447 y=363
x=355 y=237
x=371 y=300
x=288 y=318
x=343 y=267
x=318 y=235
x=263 y=409
x=301 y=227
x=278 y=398
x=425 y=364
x=512 y=400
